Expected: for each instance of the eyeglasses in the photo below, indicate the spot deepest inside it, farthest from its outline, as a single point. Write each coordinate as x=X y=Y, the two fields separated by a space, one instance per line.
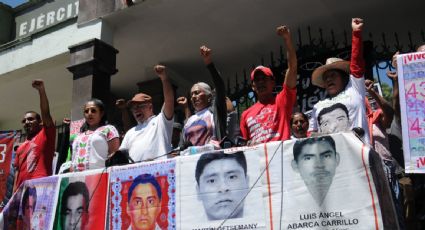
x=139 y=106
x=92 y=110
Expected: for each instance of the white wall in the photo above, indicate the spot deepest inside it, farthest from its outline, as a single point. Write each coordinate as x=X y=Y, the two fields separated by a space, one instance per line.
x=47 y=46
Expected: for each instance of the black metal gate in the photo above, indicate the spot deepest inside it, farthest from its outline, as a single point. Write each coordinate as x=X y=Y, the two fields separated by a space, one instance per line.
x=312 y=54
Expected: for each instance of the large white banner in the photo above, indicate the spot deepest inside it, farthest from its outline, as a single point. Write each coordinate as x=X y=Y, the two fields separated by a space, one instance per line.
x=323 y=183
x=327 y=182
x=411 y=78
x=220 y=190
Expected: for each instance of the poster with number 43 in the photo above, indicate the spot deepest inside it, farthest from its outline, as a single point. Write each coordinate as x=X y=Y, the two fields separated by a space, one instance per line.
x=411 y=78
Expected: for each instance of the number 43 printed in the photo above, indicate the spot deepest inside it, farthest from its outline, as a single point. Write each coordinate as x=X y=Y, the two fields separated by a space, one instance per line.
x=3 y=148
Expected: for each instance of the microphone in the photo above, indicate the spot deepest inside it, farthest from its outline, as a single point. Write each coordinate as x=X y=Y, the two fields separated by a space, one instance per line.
x=180 y=148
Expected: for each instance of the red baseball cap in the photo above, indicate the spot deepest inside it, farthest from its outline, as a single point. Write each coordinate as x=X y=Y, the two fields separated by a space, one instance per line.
x=265 y=70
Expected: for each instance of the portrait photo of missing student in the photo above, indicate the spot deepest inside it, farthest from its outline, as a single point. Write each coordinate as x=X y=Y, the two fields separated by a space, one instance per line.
x=222 y=183
x=316 y=160
x=333 y=119
x=29 y=200
x=324 y=174
x=142 y=197
x=77 y=207
x=217 y=187
x=144 y=202
x=37 y=203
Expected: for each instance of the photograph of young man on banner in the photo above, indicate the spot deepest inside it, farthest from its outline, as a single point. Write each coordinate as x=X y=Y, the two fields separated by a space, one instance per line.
x=316 y=159
x=333 y=119
x=221 y=195
x=82 y=201
x=37 y=203
x=327 y=183
x=29 y=200
x=75 y=206
x=222 y=183
x=142 y=196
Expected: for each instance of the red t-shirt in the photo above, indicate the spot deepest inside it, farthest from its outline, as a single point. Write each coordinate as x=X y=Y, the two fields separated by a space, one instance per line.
x=262 y=123
x=34 y=157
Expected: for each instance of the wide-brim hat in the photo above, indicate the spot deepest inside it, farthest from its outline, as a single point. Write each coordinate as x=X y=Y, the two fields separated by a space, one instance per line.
x=331 y=63
x=139 y=98
x=265 y=70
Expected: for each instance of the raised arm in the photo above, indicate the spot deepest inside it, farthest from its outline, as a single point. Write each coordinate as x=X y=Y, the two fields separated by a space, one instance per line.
x=182 y=101
x=206 y=54
x=44 y=103
x=220 y=89
x=387 y=110
x=125 y=115
x=357 y=64
x=396 y=99
x=291 y=72
x=167 y=88
x=394 y=78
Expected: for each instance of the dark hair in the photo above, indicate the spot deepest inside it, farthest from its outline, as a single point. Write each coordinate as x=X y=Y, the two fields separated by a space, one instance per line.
x=300 y=143
x=207 y=158
x=296 y=113
x=30 y=191
x=73 y=189
x=37 y=116
x=144 y=179
x=419 y=46
x=98 y=103
x=332 y=108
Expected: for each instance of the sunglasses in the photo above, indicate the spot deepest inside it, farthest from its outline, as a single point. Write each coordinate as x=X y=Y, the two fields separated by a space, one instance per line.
x=92 y=110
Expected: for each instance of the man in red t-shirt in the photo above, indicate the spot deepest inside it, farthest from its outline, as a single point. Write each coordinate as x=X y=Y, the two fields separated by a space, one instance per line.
x=34 y=156
x=268 y=119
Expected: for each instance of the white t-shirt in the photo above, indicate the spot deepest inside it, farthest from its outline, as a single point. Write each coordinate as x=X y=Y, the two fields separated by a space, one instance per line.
x=353 y=98
x=90 y=149
x=199 y=128
x=150 y=139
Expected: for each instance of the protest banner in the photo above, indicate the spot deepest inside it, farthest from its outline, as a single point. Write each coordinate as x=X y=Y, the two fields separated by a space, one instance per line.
x=142 y=196
x=10 y=214
x=82 y=200
x=7 y=141
x=326 y=182
x=411 y=78
x=220 y=190
x=37 y=203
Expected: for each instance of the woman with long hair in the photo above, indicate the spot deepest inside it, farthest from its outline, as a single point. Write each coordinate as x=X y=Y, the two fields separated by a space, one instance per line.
x=96 y=141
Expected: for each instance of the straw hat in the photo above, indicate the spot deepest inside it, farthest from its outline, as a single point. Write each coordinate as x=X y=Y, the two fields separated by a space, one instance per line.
x=331 y=63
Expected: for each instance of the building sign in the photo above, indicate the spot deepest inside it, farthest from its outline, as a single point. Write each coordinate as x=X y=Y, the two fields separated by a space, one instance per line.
x=46 y=16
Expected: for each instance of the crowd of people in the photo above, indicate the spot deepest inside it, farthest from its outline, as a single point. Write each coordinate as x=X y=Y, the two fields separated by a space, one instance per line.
x=271 y=118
